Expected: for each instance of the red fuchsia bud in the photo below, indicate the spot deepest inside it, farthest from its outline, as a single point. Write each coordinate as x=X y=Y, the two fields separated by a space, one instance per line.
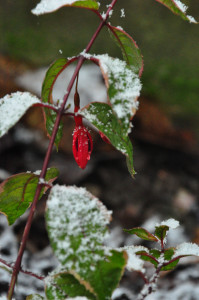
x=105 y=139
x=82 y=145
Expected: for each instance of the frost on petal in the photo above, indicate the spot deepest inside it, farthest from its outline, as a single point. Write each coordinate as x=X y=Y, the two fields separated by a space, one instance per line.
x=186 y=249
x=13 y=107
x=171 y=223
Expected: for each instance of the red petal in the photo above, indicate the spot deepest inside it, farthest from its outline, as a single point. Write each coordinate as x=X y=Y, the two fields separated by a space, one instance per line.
x=82 y=146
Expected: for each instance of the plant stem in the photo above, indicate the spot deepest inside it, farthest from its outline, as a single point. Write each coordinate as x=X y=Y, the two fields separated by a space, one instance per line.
x=10 y=265
x=17 y=265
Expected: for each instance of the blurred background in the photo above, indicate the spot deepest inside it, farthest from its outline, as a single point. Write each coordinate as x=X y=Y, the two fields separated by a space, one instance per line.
x=165 y=134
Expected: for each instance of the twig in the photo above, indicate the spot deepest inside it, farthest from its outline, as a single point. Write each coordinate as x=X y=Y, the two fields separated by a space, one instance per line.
x=10 y=265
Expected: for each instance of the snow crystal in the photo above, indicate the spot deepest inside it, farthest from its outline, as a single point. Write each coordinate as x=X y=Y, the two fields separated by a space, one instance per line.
x=171 y=223
x=181 y=6
x=13 y=107
x=119 y=27
x=47 y=6
x=187 y=249
x=122 y=13
x=103 y=15
x=60 y=51
x=184 y=8
x=191 y=19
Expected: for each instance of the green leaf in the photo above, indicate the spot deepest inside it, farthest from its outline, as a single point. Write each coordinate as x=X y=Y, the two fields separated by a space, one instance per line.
x=17 y=193
x=142 y=233
x=13 y=107
x=170 y=266
x=103 y=118
x=178 y=8
x=63 y=285
x=156 y=253
x=77 y=225
x=107 y=274
x=131 y=52
x=35 y=297
x=161 y=231
x=123 y=86
x=45 y=6
x=51 y=75
x=168 y=254
x=144 y=256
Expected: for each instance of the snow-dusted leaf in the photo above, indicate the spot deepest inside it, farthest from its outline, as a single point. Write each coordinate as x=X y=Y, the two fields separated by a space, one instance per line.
x=13 y=107
x=62 y=285
x=17 y=193
x=178 y=8
x=130 y=50
x=35 y=297
x=76 y=223
x=162 y=228
x=187 y=249
x=142 y=233
x=123 y=86
x=103 y=118
x=134 y=262
x=48 y=6
x=51 y=75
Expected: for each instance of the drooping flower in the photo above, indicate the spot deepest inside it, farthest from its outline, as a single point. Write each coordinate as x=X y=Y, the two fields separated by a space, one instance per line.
x=82 y=145
x=82 y=140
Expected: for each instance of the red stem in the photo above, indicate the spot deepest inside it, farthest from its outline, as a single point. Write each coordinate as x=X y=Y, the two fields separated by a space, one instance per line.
x=17 y=265
x=21 y=270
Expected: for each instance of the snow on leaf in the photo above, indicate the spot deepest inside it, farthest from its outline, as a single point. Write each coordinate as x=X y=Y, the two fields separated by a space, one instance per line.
x=17 y=193
x=48 y=6
x=178 y=8
x=171 y=223
x=76 y=223
x=123 y=88
x=131 y=52
x=13 y=107
x=186 y=249
x=103 y=118
x=134 y=262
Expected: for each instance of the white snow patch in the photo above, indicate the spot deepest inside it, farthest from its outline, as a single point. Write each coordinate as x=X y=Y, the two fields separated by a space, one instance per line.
x=181 y=6
x=134 y=262
x=13 y=107
x=122 y=13
x=171 y=223
x=187 y=249
x=47 y=6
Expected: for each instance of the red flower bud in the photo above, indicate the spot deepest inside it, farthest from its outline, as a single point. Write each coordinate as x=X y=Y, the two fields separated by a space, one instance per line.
x=82 y=145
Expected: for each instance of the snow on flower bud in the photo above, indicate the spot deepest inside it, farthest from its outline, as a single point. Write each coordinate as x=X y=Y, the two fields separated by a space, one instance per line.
x=82 y=145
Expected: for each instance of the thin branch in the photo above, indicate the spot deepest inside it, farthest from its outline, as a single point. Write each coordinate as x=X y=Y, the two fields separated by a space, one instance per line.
x=10 y=265
x=42 y=104
x=17 y=265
